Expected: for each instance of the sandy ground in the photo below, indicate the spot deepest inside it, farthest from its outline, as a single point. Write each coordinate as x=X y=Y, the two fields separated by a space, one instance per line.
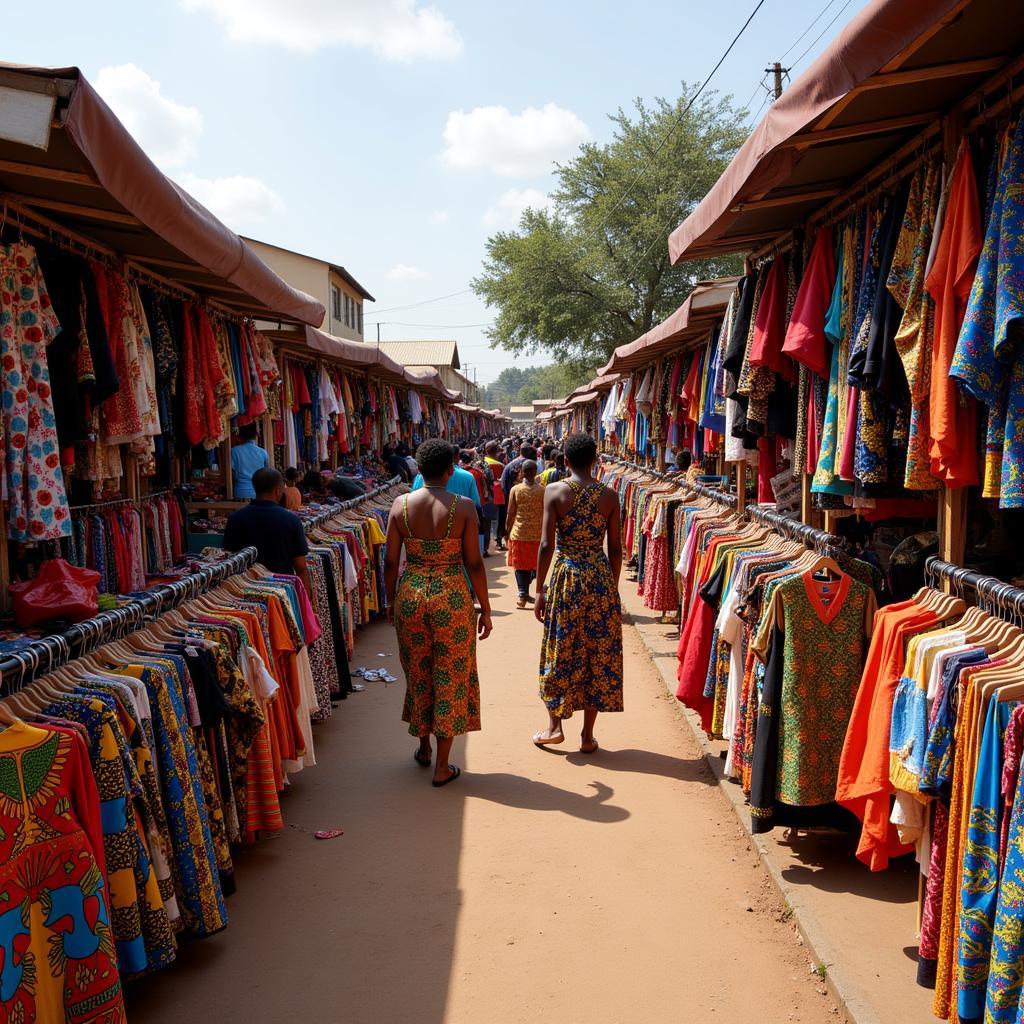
x=542 y=885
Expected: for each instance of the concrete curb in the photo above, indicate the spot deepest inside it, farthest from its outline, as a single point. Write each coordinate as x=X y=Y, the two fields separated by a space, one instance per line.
x=843 y=989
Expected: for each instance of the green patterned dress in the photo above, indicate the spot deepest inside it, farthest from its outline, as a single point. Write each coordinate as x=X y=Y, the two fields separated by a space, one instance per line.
x=581 y=654
x=436 y=626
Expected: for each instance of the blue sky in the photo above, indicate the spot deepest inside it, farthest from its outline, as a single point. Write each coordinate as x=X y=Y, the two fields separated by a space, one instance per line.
x=393 y=136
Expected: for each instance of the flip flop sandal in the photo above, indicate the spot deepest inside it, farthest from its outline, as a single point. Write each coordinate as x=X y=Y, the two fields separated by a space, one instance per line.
x=554 y=741
x=456 y=772
x=419 y=760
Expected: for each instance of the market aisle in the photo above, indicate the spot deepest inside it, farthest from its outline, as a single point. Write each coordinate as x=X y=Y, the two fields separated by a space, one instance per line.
x=617 y=888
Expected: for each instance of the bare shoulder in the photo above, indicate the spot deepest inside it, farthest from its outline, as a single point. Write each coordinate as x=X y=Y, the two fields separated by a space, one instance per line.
x=607 y=500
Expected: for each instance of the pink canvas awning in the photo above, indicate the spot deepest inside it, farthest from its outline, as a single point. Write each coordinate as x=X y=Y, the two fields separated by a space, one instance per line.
x=880 y=87
x=93 y=180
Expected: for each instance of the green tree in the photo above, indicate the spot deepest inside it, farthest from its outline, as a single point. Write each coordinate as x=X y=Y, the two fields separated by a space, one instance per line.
x=593 y=273
x=520 y=386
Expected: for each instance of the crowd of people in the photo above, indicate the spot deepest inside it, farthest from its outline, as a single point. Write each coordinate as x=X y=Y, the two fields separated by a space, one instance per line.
x=541 y=505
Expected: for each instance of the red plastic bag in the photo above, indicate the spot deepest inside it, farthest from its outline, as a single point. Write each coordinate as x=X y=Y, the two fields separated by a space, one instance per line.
x=59 y=591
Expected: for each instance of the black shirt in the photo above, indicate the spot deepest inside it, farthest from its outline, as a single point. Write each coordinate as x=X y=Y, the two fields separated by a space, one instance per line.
x=276 y=533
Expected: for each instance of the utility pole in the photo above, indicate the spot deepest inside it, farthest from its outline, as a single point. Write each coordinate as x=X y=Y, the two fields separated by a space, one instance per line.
x=777 y=70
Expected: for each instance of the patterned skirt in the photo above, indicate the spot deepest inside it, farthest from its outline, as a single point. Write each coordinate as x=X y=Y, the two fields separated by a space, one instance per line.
x=581 y=654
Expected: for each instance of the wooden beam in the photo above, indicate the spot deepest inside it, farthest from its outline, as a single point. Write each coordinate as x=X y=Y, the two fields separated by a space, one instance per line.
x=897 y=62
x=932 y=73
x=48 y=173
x=786 y=200
x=159 y=261
x=77 y=210
x=857 y=131
x=57 y=228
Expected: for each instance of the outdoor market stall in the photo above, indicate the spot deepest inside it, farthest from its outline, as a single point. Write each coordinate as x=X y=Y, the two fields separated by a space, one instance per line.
x=870 y=356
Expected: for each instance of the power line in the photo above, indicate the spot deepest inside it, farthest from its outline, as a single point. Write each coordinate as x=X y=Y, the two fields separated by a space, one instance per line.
x=806 y=30
x=439 y=327
x=821 y=33
x=424 y=302
x=675 y=124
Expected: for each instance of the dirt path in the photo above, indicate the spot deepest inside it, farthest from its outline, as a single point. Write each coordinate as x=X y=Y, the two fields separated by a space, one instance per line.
x=611 y=889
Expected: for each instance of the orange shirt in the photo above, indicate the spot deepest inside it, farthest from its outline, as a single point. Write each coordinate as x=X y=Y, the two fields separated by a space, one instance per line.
x=953 y=415
x=863 y=785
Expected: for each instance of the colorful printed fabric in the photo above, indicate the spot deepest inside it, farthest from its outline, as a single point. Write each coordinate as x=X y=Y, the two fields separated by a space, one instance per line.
x=581 y=653
x=57 y=959
x=38 y=503
x=436 y=627
x=986 y=360
x=981 y=868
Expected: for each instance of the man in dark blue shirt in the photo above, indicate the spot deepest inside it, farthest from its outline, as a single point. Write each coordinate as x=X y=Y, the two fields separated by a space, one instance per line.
x=275 y=533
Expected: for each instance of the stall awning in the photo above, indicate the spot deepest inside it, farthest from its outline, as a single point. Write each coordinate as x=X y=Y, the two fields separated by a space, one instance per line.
x=886 y=79
x=86 y=178
x=690 y=322
x=588 y=396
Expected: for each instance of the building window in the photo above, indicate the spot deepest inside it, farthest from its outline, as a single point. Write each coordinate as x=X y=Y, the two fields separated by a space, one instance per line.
x=335 y=302
x=360 y=327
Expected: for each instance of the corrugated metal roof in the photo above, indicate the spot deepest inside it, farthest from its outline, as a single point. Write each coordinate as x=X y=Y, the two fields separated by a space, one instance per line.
x=423 y=353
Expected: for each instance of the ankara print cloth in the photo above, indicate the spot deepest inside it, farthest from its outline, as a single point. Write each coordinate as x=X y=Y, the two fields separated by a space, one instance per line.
x=436 y=625
x=581 y=653
x=58 y=961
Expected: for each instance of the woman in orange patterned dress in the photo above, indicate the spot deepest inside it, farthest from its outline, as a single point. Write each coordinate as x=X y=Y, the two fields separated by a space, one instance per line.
x=432 y=608
x=525 y=512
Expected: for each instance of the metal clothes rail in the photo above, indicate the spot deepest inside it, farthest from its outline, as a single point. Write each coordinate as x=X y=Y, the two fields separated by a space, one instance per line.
x=793 y=528
x=994 y=595
x=729 y=500
x=122 y=501
x=49 y=652
x=322 y=517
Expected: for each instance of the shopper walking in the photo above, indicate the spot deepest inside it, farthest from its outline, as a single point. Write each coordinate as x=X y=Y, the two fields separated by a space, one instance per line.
x=497 y=467
x=581 y=653
x=432 y=608
x=525 y=512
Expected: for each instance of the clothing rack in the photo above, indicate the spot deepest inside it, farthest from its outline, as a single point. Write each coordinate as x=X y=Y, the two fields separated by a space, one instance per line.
x=793 y=528
x=334 y=510
x=122 y=501
x=60 y=648
x=720 y=497
x=997 y=597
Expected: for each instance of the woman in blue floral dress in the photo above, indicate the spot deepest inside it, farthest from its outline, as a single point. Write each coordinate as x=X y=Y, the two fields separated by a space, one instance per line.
x=581 y=654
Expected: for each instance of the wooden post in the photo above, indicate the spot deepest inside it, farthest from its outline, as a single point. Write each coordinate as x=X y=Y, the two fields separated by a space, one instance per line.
x=226 y=472
x=953 y=524
x=806 y=508
x=741 y=485
x=5 y=563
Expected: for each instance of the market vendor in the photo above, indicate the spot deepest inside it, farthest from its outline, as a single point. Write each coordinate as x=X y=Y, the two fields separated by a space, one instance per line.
x=246 y=459
x=276 y=534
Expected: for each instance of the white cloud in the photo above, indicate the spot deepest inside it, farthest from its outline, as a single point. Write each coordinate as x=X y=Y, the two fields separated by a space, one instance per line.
x=404 y=272
x=168 y=131
x=399 y=30
x=439 y=217
x=508 y=209
x=512 y=144
x=238 y=200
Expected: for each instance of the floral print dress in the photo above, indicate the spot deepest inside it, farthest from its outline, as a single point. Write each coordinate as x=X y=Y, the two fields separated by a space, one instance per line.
x=436 y=626
x=581 y=653
x=34 y=481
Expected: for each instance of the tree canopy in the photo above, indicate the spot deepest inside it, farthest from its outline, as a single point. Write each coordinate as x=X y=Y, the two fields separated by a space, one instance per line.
x=520 y=386
x=592 y=271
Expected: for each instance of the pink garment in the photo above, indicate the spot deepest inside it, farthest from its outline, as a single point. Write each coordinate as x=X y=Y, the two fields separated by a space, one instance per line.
x=310 y=623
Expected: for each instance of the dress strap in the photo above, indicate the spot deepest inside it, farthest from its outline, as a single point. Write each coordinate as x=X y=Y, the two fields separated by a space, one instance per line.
x=405 y=514
x=451 y=518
